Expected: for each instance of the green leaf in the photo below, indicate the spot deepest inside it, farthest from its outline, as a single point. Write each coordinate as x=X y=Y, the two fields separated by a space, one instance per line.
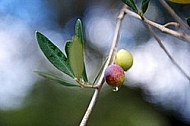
x=75 y=52
x=84 y=75
x=67 y=49
x=53 y=54
x=56 y=79
x=78 y=31
x=188 y=21
x=144 y=5
x=180 y=1
x=79 y=34
x=75 y=57
x=67 y=46
x=131 y=4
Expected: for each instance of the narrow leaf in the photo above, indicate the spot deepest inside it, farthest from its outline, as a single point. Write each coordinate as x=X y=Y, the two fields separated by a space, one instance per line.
x=79 y=35
x=84 y=75
x=75 y=57
x=144 y=5
x=75 y=52
x=188 y=21
x=53 y=54
x=56 y=79
x=131 y=4
x=180 y=1
x=67 y=46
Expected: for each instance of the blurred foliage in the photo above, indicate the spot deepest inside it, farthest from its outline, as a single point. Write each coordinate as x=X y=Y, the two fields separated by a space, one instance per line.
x=51 y=104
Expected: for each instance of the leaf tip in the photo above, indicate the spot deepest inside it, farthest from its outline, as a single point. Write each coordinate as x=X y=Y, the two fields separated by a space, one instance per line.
x=37 y=72
x=37 y=34
x=78 y=19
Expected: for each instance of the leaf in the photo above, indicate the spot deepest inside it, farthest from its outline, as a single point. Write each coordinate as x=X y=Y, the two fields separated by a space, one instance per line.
x=188 y=21
x=84 y=75
x=79 y=34
x=180 y=1
x=131 y=4
x=67 y=46
x=53 y=54
x=144 y=5
x=56 y=79
x=75 y=57
x=75 y=53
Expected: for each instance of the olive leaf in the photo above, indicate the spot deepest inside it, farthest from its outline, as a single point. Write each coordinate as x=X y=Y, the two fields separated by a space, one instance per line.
x=144 y=5
x=75 y=53
x=56 y=79
x=131 y=4
x=79 y=34
x=53 y=54
x=84 y=75
x=72 y=63
x=180 y=1
x=75 y=57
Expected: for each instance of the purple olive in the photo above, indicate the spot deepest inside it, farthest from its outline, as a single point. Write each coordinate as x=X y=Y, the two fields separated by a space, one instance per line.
x=114 y=75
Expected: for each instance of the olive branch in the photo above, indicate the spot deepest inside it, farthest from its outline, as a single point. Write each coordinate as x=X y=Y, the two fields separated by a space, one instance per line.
x=73 y=65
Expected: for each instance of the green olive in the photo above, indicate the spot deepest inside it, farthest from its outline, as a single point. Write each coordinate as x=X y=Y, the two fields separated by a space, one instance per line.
x=124 y=59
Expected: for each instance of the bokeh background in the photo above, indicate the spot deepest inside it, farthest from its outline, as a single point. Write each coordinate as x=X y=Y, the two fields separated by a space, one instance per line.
x=155 y=92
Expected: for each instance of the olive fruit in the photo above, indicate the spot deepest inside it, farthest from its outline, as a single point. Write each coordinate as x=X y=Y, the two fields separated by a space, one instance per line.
x=114 y=75
x=124 y=59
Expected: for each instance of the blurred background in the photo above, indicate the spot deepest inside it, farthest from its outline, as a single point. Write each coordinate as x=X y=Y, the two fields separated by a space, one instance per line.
x=155 y=92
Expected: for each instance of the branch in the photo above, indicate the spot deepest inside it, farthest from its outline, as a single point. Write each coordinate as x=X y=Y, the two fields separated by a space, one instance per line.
x=166 y=51
x=162 y=28
x=173 y=14
x=109 y=61
x=166 y=30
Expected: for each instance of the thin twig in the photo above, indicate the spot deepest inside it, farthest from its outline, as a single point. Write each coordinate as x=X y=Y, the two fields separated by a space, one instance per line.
x=179 y=35
x=173 y=14
x=166 y=51
x=101 y=79
x=166 y=30
x=175 y=24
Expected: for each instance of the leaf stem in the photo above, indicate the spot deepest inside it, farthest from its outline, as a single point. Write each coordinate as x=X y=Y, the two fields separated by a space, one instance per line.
x=109 y=61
